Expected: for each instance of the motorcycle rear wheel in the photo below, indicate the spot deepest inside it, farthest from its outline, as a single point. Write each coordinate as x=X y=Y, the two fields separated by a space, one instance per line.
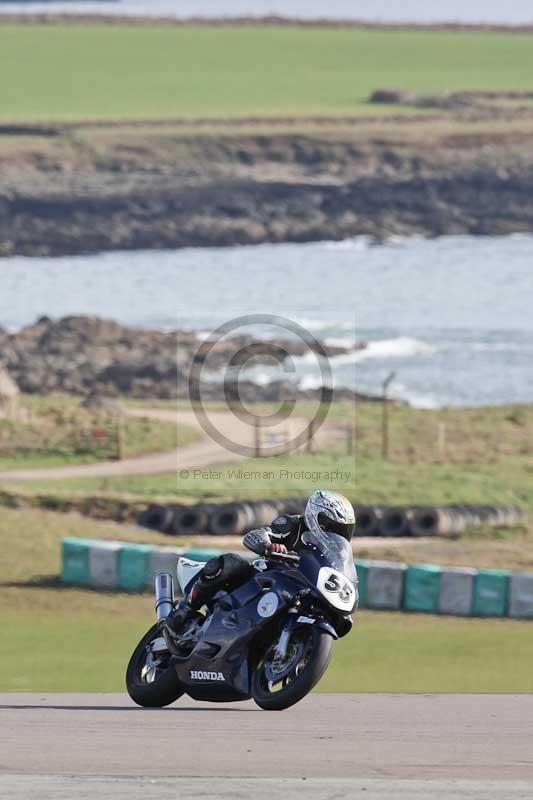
x=312 y=648
x=151 y=690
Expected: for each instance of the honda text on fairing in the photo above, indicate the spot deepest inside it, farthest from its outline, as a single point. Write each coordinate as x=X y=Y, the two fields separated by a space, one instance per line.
x=270 y=639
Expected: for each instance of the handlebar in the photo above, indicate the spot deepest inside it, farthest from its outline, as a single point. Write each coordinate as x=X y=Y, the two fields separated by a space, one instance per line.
x=290 y=556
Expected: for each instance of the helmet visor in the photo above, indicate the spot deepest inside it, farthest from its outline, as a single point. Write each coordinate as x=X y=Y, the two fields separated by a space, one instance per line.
x=344 y=529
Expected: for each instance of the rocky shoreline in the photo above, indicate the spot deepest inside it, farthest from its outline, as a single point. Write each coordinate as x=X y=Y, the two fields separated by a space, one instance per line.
x=96 y=358
x=463 y=167
x=100 y=18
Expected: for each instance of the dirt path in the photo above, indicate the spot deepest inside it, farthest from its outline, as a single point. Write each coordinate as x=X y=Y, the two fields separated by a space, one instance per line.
x=203 y=453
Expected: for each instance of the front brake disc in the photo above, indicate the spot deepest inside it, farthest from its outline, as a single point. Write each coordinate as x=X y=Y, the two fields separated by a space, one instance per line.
x=275 y=670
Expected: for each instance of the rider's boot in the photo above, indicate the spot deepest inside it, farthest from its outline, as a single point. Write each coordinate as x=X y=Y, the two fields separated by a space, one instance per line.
x=201 y=592
x=180 y=618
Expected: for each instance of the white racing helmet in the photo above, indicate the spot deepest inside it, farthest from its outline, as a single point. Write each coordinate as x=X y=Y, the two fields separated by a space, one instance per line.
x=330 y=512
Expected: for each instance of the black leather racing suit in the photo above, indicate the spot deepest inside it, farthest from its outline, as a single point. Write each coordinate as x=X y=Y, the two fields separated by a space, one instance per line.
x=228 y=571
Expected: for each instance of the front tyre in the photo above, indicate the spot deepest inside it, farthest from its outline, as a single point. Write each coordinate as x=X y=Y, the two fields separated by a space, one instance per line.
x=151 y=680
x=276 y=685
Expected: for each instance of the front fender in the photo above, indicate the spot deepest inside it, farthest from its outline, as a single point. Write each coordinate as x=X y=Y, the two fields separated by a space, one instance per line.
x=318 y=622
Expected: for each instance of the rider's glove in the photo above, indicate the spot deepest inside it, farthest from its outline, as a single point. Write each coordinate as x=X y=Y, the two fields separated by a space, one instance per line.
x=276 y=547
x=258 y=541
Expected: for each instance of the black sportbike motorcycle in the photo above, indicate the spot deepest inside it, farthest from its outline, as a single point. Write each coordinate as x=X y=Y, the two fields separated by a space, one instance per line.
x=270 y=639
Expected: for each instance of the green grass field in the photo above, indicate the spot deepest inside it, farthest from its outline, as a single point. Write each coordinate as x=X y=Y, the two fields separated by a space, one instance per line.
x=280 y=476
x=487 y=458
x=95 y=71
x=57 y=650
x=57 y=430
x=59 y=639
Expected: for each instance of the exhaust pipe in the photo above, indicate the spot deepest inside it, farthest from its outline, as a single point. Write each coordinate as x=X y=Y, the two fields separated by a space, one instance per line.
x=164 y=595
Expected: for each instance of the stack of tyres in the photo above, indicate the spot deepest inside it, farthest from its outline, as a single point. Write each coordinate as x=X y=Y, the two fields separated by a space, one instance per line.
x=222 y=519
x=395 y=521
x=368 y=520
x=191 y=520
x=236 y=518
x=157 y=517
x=231 y=519
x=290 y=505
x=435 y=521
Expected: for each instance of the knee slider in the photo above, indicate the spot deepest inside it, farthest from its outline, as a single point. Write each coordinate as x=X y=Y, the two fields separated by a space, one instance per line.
x=213 y=569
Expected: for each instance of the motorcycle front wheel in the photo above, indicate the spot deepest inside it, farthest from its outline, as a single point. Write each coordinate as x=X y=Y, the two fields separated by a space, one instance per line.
x=277 y=685
x=151 y=679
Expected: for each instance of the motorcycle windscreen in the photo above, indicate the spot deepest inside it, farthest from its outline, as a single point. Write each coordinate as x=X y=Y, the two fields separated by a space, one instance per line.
x=335 y=550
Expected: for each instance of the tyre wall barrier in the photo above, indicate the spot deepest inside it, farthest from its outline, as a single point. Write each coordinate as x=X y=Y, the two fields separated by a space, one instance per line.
x=387 y=585
x=456 y=591
x=380 y=584
x=110 y=565
x=218 y=519
x=231 y=519
x=491 y=591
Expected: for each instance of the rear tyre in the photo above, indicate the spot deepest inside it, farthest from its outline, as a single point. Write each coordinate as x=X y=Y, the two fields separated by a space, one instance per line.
x=151 y=680
x=275 y=686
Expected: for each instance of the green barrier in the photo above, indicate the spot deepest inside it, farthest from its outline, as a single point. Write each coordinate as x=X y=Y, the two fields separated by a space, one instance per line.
x=132 y=567
x=87 y=562
x=491 y=589
x=422 y=588
x=75 y=561
x=362 y=574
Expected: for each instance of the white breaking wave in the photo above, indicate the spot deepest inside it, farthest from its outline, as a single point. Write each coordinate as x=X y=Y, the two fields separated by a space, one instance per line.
x=358 y=243
x=415 y=398
x=309 y=382
x=401 y=347
x=340 y=341
x=324 y=325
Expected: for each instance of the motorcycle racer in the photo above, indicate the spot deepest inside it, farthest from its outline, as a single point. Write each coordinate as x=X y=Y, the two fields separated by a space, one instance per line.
x=325 y=512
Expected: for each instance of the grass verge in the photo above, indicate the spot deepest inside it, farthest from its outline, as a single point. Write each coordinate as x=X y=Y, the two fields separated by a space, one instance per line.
x=57 y=430
x=158 y=71
x=67 y=639
x=87 y=651
x=280 y=476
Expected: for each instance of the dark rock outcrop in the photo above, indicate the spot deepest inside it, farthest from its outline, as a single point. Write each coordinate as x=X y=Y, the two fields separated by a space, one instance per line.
x=170 y=189
x=92 y=357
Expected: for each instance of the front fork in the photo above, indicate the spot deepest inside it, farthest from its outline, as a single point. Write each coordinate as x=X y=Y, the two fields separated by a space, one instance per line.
x=296 y=617
x=280 y=650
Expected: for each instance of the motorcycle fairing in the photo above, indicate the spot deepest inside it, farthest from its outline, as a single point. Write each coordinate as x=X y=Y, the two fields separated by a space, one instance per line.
x=315 y=567
x=187 y=571
x=225 y=642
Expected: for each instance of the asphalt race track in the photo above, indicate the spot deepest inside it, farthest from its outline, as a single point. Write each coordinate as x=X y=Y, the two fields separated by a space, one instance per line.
x=406 y=747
